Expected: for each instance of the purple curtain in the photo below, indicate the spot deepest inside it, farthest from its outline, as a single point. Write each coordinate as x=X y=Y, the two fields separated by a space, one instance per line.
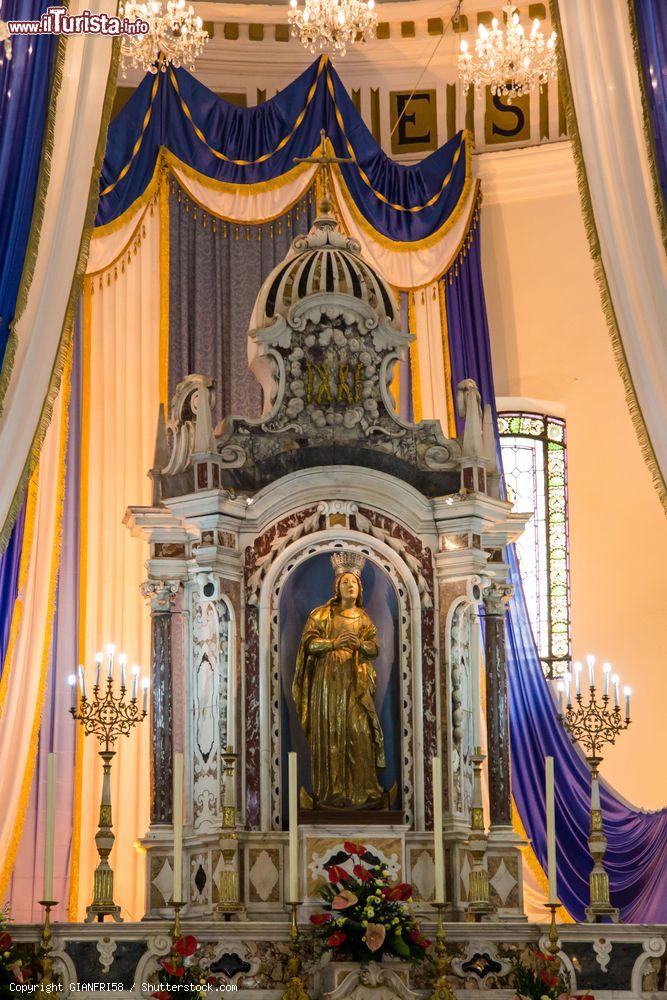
x=651 y=18
x=9 y=578
x=58 y=732
x=636 y=857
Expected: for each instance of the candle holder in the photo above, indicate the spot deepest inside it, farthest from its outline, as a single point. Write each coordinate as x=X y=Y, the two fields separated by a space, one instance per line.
x=176 y=931
x=441 y=988
x=229 y=901
x=295 y=988
x=45 y=942
x=594 y=724
x=479 y=903
x=106 y=716
x=553 y=929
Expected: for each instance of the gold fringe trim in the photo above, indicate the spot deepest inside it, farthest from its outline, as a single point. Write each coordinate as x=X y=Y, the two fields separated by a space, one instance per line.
x=84 y=473
x=618 y=350
x=141 y=202
x=532 y=862
x=65 y=346
x=647 y=125
x=451 y=420
x=417 y=408
x=130 y=249
x=17 y=611
x=163 y=355
x=19 y=820
x=43 y=178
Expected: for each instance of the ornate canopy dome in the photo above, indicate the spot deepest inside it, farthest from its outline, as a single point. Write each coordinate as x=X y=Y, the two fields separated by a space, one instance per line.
x=323 y=262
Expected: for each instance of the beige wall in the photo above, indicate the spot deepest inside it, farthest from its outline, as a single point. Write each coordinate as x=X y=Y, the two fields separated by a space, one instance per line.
x=549 y=341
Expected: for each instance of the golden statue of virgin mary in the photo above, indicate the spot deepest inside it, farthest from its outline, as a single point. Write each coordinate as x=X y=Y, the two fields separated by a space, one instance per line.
x=333 y=690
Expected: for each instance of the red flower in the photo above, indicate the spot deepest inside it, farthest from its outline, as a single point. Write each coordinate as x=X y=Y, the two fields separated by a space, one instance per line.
x=353 y=848
x=548 y=979
x=172 y=969
x=213 y=981
x=397 y=893
x=161 y=995
x=362 y=873
x=415 y=936
x=5 y=942
x=186 y=946
x=338 y=874
x=336 y=938
x=320 y=918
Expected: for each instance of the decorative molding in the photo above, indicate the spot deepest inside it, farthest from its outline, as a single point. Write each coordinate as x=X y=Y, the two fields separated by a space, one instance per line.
x=160 y=593
x=106 y=948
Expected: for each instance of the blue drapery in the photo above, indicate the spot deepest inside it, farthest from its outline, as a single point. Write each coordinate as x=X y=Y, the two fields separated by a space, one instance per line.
x=651 y=16
x=250 y=145
x=24 y=100
x=636 y=857
x=10 y=561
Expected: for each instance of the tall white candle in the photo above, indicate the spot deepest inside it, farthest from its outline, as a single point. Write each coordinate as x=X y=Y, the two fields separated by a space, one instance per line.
x=590 y=660
x=568 y=692
x=293 y=822
x=560 y=687
x=122 y=659
x=136 y=670
x=82 y=682
x=614 y=681
x=177 y=808
x=99 y=659
x=231 y=689
x=144 y=698
x=627 y=692
x=476 y=685
x=111 y=649
x=551 y=829
x=71 y=680
x=438 y=848
x=606 y=671
x=577 y=677
x=50 y=826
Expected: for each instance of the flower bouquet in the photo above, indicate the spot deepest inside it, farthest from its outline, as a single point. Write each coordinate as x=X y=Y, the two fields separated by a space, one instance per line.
x=17 y=964
x=180 y=968
x=365 y=917
x=537 y=976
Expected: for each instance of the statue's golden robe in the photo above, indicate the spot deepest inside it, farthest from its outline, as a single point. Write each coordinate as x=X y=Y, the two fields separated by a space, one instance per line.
x=333 y=690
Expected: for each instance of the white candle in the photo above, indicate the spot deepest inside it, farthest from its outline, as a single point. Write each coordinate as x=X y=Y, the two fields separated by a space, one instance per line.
x=122 y=659
x=577 y=678
x=99 y=659
x=110 y=651
x=560 y=687
x=606 y=671
x=231 y=689
x=82 y=682
x=293 y=826
x=438 y=848
x=568 y=695
x=627 y=692
x=551 y=829
x=71 y=680
x=477 y=683
x=50 y=826
x=144 y=699
x=614 y=681
x=136 y=670
x=590 y=660
x=177 y=807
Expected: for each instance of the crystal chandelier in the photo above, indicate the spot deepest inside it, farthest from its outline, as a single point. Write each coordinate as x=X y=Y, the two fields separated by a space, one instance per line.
x=510 y=62
x=175 y=37
x=330 y=25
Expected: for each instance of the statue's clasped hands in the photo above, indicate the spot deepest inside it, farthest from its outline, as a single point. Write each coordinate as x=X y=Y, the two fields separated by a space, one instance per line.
x=346 y=640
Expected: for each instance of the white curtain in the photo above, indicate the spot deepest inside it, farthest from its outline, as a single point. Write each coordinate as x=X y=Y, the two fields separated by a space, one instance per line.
x=39 y=330
x=607 y=102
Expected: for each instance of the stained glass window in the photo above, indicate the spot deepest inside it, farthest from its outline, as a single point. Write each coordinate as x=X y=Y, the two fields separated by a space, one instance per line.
x=534 y=452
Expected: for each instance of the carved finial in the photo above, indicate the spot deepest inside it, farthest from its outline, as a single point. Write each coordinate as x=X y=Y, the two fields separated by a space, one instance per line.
x=469 y=405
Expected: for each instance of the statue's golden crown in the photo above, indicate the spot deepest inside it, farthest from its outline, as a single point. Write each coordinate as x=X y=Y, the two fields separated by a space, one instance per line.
x=348 y=562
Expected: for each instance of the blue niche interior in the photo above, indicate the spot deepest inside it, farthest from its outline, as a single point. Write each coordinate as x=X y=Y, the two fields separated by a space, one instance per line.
x=309 y=586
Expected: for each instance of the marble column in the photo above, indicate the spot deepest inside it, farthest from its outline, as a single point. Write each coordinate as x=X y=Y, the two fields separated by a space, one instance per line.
x=161 y=594
x=497 y=709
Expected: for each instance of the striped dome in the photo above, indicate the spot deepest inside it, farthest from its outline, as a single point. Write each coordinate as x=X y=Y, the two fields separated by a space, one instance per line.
x=324 y=261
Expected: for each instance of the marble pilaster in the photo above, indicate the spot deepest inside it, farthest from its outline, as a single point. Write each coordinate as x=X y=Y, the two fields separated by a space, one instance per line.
x=497 y=709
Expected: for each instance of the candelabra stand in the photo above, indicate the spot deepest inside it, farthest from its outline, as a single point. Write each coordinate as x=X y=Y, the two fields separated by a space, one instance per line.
x=47 y=947
x=479 y=904
x=107 y=716
x=229 y=901
x=176 y=926
x=441 y=988
x=295 y=988
x=593 y=724
x=553 y=928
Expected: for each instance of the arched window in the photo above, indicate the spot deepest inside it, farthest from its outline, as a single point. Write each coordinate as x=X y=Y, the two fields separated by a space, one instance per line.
x=534 y=452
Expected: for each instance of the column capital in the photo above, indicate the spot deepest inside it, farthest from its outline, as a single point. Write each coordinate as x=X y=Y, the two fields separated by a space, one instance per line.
x=496 y=597
x=160 y=593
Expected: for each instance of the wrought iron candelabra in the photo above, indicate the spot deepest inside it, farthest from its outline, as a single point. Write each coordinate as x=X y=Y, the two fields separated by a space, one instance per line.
x=593 y=724
x=107 y=716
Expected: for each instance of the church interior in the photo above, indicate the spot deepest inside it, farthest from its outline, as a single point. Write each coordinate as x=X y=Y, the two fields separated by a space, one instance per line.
x=333 y=423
